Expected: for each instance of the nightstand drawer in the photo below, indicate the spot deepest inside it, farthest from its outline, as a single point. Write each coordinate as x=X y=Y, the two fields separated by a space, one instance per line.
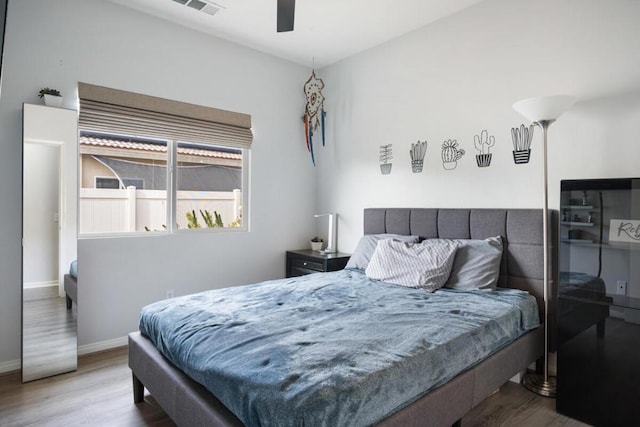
x=305 y=261
x=306 y=264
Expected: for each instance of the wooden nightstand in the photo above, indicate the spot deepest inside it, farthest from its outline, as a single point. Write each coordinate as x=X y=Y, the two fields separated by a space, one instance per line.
x=306 y=261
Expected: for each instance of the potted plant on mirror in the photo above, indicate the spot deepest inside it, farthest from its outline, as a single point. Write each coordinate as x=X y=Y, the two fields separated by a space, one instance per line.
x=316 y=243
x=52 y=97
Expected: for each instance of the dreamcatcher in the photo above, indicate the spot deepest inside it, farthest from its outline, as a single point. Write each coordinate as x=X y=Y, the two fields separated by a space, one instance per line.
x=314 y=114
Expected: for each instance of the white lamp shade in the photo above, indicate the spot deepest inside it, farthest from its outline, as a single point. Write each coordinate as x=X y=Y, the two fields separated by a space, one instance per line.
x=544 y=107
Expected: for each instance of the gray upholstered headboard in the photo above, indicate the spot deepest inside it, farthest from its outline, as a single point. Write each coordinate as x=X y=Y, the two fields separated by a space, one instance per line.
x=520 y=229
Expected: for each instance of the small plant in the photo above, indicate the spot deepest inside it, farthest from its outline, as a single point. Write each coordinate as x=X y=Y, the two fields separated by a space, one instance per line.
x=483 y=143
x=451 y=154
x=48 y=91
x=417 y=152
x=211 y=221
x=192 y=220
x=522 y=143
x=317 y=239
x=386 y=154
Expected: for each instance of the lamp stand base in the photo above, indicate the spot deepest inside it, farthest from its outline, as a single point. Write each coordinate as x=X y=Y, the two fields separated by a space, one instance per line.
x=537 y=384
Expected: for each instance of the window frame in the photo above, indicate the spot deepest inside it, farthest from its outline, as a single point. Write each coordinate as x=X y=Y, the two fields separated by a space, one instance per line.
x=172 y=194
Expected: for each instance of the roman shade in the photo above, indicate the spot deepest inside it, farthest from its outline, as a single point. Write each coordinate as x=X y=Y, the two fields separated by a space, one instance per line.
x=112 y=111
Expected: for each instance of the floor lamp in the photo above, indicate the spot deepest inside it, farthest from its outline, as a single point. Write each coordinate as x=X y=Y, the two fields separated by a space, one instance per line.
x=543 y=111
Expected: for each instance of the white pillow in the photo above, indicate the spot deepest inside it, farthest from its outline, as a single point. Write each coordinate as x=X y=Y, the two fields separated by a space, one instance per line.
x=367 y=245
x=412 y=264
x=476 y=264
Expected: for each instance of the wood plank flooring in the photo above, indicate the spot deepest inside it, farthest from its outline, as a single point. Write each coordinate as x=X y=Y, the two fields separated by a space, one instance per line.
x=49 y=344
x=99 y=393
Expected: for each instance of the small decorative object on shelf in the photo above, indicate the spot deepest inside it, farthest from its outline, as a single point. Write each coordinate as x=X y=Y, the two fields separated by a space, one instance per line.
x=52 y=97
x=522 y=143
x=316 y=244
x=483 y=143
x=417 y=152
x=451 y=154
x=386 y=152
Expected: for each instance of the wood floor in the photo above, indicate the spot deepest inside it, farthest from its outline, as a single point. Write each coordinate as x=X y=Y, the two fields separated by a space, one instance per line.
x=49 y=344
x=99 y=393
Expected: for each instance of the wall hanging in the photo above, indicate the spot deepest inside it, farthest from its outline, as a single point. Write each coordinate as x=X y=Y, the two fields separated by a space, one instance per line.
x=522 y=143
x=386 y=152
x=483 y=144
x=451 y=154
x=314 y=114
x=417 y=152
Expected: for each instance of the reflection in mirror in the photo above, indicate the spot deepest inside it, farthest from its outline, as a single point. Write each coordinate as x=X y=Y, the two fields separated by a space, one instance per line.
x=49 y=343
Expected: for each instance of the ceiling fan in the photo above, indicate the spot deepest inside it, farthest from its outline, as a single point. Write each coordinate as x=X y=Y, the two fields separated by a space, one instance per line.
x=286 y=13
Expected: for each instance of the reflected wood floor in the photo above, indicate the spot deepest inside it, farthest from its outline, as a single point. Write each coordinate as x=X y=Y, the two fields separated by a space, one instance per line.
x=49 y=338
x=99 y=393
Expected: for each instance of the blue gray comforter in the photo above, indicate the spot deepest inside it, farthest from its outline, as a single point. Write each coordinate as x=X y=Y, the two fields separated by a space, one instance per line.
x=331 y=349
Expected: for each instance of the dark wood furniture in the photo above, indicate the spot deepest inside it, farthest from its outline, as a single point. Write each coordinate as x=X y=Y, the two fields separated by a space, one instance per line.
x=598 y=376
x=188 y=403
x=306 y=261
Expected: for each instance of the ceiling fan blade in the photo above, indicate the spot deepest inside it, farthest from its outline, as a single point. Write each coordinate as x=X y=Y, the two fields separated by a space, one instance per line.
x=286 y=14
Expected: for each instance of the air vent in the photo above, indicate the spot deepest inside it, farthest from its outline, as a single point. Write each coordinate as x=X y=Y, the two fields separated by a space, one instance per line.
x=207 y=7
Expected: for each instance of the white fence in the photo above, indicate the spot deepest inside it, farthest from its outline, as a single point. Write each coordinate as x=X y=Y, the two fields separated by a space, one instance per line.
x=123 y=211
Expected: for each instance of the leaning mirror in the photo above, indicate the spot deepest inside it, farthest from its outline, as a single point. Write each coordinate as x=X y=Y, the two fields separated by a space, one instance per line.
x=49 y=308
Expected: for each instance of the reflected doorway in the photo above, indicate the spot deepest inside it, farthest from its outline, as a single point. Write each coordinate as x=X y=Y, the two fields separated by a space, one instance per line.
x=49 y=344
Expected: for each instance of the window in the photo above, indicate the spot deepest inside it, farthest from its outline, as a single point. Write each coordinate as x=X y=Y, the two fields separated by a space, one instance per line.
x=148 y=164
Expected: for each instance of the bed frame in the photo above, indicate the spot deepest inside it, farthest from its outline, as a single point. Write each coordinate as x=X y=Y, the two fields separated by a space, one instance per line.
x=188 y=403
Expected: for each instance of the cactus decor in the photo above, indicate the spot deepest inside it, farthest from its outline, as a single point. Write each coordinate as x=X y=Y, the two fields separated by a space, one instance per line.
x=417 y=152
x=386 y=152
x=483 y=143
x=451 y=154
x=522 y=143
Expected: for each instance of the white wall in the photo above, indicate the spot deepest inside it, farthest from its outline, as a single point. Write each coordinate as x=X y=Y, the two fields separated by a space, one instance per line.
x=458 y=76
x=59 y=43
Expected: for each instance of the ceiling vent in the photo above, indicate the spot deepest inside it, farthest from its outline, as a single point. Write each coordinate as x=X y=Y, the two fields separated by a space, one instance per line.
x=207 y=7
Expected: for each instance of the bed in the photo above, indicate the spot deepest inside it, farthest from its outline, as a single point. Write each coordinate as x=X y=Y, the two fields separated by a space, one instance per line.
x=582 y=303
x=447 y=400
x=71 y=285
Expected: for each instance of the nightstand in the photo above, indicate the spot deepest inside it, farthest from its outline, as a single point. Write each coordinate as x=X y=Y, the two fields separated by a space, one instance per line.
x=306 y=261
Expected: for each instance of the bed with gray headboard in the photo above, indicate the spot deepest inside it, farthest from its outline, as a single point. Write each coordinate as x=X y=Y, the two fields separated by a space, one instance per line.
x=189 y=403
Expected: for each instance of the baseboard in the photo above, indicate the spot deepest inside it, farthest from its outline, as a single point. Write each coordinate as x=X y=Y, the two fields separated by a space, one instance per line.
x=83 y=350
x=102 y=346
x=40 y=290
x=10 y=366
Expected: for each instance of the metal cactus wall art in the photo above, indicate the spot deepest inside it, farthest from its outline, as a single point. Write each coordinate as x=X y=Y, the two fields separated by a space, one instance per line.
x=417 y=152
x=451 y=154
x=522 y=143
x=386 y=154
x=483 y=144
x=314 y=114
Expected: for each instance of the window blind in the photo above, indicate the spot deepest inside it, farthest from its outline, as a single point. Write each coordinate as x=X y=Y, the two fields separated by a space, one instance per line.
x=109 y=110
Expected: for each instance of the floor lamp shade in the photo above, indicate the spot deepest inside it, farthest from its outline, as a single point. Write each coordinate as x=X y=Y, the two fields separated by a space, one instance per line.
x=543 y=111
x=544 y=107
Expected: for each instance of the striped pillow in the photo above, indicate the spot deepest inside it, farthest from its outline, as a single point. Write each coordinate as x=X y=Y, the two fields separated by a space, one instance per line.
x=412 y=264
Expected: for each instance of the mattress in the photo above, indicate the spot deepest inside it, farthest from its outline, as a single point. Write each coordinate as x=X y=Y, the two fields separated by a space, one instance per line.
x=334 y=348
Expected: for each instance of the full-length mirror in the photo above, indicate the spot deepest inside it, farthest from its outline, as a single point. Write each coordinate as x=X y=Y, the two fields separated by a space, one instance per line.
x=49 y=305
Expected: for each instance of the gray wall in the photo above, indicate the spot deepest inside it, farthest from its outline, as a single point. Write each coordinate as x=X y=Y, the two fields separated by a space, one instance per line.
x=58 y=43
x=460 y=75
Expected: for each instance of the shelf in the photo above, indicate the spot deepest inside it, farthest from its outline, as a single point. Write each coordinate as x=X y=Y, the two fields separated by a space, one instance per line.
x=577 y=223
x=583 y=241
x=592 y=244
x=578 y=207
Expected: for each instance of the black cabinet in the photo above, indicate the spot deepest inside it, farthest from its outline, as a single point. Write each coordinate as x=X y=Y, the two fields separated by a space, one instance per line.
x=306 y=261
x=599 y=368
x=598 y=305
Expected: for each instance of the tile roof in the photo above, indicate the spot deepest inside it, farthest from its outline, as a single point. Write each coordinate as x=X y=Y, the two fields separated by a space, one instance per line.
x=104 y=141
